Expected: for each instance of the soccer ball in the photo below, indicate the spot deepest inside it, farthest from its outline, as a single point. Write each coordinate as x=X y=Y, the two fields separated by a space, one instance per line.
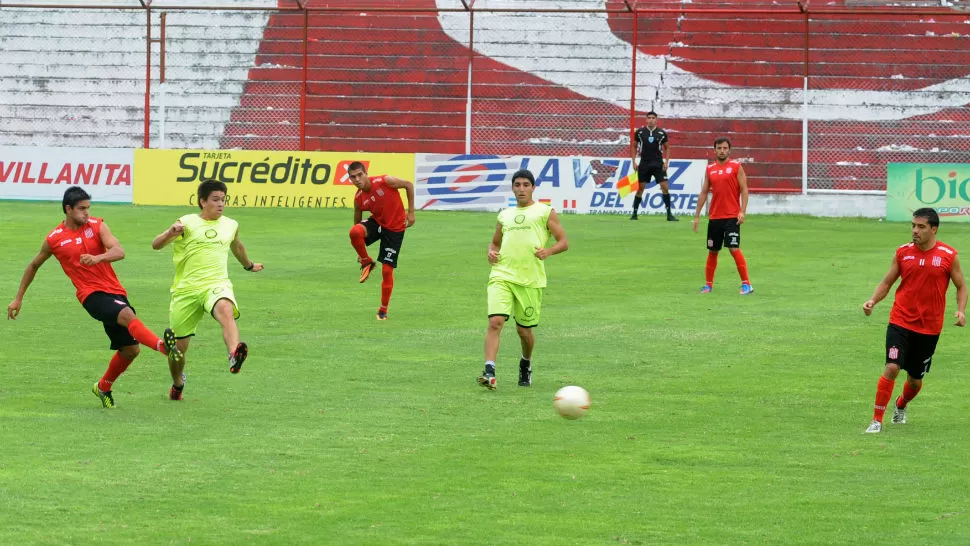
x=571 y=402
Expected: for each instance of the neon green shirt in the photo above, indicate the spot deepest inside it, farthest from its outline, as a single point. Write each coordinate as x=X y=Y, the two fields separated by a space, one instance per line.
x=523 y=231
x=201 y=252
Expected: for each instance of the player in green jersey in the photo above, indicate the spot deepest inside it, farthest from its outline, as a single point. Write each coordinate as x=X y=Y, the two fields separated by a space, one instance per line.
x=202 y=243
x=517 y=253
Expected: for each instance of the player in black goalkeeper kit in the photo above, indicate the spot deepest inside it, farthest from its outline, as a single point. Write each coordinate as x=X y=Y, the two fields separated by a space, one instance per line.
x=654 y=152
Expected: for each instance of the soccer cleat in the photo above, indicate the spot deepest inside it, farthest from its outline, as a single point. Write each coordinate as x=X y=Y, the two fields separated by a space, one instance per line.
x=175 y=393
x=746 y=289
x=365 y=270
x=487 y=378
x=634 y=217
x=874 y=427
x=706 y=289
x=899 y=416
x=525 y=373
x=237 y=358
x=672 y=218
x=107 y=400
x=381 y=315
x=171 y=345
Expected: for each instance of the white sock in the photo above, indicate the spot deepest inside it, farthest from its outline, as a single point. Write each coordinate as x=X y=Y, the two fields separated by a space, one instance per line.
x=490 y=363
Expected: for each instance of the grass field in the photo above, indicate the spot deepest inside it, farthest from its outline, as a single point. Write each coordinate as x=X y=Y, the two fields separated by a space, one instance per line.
x=716 y=419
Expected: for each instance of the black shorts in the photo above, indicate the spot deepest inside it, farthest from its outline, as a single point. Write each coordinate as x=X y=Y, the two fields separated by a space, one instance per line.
x=910 y=350
x=390 y=241
x=723 y=232
x=106 y=308
x=651 y=170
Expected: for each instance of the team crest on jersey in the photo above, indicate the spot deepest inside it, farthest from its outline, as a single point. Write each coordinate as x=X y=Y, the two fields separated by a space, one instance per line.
x=729 y=170
x=211 y=234
x=937 y=260
x=650 y=139
x=88 y=233
x=380 y=192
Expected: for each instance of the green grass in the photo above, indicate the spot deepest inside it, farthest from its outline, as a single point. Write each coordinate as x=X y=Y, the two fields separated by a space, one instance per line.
x=716 y=419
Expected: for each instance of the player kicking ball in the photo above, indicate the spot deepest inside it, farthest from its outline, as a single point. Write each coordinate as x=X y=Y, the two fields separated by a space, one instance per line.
x=85 y=248
x=201 y=246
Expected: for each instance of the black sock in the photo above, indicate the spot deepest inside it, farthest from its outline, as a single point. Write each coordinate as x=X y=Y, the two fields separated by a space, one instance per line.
x=179 y=388
x=636 y=204
x=667 y=202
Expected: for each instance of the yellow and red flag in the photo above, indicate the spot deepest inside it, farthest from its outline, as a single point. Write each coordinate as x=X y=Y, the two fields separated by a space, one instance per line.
x=628 y=184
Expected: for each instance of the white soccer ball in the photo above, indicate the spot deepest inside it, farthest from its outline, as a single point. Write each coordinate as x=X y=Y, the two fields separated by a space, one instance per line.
x=571 y=402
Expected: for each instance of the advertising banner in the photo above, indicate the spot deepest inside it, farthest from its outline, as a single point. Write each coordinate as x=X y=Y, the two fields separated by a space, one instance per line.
x=42 y=174
x=582 y=185
x=944 y=187
x=259 y=178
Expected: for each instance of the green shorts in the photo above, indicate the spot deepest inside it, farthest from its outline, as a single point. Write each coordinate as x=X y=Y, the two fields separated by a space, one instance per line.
x=514 y=300
x=187 y=308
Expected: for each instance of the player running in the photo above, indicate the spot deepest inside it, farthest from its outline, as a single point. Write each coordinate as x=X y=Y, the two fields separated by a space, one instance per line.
x=728 y=185
x=387 y=222
x=927 y=267
x=85 y=248
x=202 y=243
x=517 y=253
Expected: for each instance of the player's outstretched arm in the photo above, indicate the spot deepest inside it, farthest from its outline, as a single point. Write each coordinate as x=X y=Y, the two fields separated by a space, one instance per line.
x=239 y=251
x=562 y=243
x=169 y=235
x=495 y=247
x=398 y=183
x=701 y=200
x=956 y=276
x=743 y=188
x=882 y=289
x=14 y=308
x=113 y=250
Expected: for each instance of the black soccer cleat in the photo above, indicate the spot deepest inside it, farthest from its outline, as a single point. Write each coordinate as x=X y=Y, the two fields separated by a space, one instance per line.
x=237 y=358
x=107 y=400
x=525 y=373
x=171 y=345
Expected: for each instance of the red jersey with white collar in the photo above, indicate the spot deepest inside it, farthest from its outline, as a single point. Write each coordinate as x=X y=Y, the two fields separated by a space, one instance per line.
x=68 y=245
x=384 y=203
x=920 y=302
x=725 y=189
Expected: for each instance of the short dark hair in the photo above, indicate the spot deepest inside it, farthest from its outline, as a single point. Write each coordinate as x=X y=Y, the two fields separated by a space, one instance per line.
x=719 y=140
x=932 y=218
x=73 y=196
x=652 y=113
x=524 y=173
x=207 y=187
x=356 y=165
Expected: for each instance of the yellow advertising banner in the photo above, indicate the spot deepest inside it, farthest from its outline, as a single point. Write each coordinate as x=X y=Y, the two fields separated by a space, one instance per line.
x=258 y=178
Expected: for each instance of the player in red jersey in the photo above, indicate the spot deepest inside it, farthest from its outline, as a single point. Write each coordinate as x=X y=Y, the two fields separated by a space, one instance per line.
x=387 y=222
x=728 y=184
x=927 y=267
x=85 y=247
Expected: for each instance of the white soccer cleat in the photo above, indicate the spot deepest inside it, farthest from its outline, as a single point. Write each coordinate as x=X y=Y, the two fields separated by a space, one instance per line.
x=899 y=416
x=874 y=427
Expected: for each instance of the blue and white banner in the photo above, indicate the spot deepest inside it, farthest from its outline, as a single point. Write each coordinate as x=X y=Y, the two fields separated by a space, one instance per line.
x=582 y=185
